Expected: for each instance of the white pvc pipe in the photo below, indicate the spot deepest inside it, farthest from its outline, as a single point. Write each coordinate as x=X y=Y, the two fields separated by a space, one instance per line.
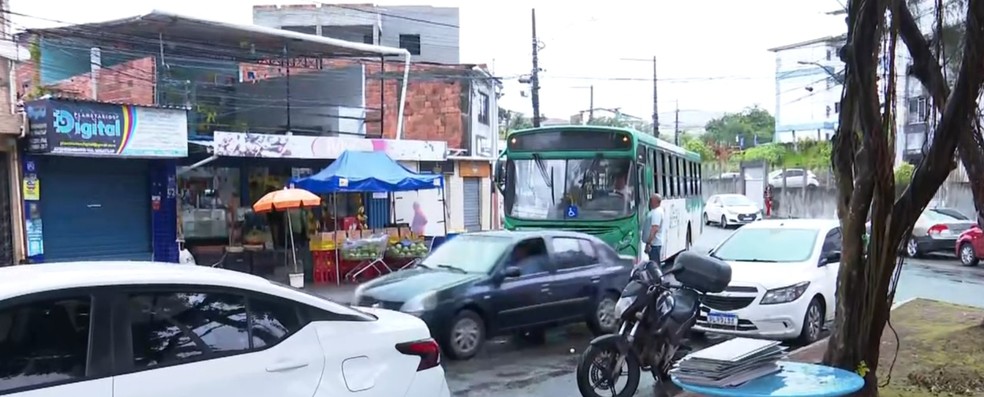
x=198 y=164
x=403 y=94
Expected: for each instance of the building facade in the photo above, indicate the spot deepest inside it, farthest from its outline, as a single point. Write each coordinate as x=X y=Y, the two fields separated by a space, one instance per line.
x=11 y=232
x=108 y=172
x=809 y=85
x=429 y=33
x=456 y=104
x=808 y=90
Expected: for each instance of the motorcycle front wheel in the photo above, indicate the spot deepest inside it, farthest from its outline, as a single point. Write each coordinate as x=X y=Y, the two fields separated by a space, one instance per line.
x=595 y=372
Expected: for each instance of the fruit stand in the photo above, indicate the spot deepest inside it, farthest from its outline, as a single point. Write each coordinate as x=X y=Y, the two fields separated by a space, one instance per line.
x=408 y=250
x=365 y=172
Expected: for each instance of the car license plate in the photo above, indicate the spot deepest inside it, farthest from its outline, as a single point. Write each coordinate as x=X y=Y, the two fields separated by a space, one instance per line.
x=724 y=319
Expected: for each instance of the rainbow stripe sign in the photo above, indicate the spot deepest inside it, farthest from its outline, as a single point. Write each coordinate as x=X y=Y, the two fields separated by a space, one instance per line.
x=59 y=126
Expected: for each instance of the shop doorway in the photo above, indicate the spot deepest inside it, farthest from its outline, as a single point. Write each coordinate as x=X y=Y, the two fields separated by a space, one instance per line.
x=472 y=205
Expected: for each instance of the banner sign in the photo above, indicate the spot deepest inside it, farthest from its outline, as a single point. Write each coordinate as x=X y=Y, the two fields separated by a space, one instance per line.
x=239 y=144
x=105 y=130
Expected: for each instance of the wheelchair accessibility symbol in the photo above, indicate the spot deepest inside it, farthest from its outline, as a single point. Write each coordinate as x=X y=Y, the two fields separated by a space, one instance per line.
x=572 y=211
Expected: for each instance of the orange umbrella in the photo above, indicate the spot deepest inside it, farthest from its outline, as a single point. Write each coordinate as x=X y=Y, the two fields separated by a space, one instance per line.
x=286 y=199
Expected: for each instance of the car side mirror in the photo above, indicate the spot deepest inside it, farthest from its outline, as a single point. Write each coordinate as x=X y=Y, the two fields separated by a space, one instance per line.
x=830 y=257
x=508 y=272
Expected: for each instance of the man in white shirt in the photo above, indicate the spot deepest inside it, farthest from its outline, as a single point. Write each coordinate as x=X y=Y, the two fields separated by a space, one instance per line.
x=653 y=229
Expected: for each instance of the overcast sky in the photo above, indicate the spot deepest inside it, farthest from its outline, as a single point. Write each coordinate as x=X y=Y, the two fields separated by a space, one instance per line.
x=712 y=54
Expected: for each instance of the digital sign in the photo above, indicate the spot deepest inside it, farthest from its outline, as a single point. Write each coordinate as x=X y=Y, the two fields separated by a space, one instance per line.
x=570 y=140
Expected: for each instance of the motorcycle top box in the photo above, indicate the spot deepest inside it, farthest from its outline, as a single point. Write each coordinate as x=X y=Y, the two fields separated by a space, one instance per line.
x=703 y=273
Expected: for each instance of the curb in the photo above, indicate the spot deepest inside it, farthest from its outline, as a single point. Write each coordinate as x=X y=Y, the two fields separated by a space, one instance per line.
x=896 y=305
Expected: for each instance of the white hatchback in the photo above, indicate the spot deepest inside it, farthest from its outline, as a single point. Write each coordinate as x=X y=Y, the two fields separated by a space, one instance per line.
x=132 y=329
x=783 y=283
x=731 y=209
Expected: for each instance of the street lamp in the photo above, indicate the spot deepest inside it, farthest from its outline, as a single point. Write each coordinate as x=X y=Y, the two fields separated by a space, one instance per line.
x=838 y=77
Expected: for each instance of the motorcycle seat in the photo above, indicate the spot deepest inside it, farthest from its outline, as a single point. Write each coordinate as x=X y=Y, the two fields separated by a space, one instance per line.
x=685 y=305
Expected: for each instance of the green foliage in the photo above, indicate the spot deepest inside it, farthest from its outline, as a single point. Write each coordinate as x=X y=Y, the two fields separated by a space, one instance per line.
x=772 y=153
x=511 y=121
x=749 y=123
x=903 y=174
x=807 y=154
x=609 y=122
x=694 y=144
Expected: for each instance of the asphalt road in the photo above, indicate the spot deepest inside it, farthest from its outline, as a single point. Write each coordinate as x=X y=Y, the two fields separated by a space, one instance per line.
x=513 y=369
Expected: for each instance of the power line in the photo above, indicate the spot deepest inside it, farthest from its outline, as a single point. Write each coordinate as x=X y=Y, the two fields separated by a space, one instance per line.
x=394 y=16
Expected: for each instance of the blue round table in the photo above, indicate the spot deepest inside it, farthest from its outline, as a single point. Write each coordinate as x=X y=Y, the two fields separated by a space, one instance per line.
x=794 y=380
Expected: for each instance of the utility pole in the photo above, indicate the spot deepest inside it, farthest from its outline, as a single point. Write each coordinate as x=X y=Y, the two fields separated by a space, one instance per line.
x=535 y=77
x=676 y=125
x=655 y=93
x=591 y=106
x=655 y=101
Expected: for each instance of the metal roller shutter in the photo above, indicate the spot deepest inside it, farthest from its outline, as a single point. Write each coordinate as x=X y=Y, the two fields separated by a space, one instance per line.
x=95 y=209
x=473 y=204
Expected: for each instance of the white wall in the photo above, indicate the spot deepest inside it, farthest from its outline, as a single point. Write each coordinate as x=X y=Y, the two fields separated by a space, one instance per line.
x=801 y=113
x=439 y=38
x=439 y=35
x=805 y=92
x=456 y=201
x=331 y=100
x=487 y=204
x=483 y=135
x=430 y=201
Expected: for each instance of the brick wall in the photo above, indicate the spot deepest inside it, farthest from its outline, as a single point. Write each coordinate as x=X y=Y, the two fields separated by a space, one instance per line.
x=433 y=106
x=132 y=82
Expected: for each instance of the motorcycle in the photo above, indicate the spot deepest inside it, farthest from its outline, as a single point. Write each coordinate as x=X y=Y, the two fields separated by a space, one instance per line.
x=656 y=310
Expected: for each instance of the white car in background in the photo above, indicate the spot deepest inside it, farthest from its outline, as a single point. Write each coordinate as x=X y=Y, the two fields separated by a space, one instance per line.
x=783 y=283
x=730 y=209
x=132 y=329
x=795 y=178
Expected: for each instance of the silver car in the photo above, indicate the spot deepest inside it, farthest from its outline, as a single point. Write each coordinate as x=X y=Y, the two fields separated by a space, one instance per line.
x=937 y=230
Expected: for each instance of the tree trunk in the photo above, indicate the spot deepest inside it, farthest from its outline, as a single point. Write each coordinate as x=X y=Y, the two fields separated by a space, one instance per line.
x=862 y=159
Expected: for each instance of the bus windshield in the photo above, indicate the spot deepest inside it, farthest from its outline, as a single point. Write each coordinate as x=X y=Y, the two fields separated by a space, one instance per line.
x=568 y=189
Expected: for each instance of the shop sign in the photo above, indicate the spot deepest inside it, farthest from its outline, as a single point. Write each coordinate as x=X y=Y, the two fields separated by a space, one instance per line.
x=97 y=129
x=32 y=188
x=238 y=144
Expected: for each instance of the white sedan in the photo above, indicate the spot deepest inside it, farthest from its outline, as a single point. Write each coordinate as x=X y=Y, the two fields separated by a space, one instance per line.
x=783 y=284
x=132 y=329
x=731 y=209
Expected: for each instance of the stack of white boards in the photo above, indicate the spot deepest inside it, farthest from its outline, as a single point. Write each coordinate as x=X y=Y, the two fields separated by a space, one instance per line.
x=730 y=364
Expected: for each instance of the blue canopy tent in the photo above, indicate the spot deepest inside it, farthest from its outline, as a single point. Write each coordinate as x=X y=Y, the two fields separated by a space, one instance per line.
x=369 y=172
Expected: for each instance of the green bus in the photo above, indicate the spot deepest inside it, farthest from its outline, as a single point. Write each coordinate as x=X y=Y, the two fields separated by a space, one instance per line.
x=598 y=180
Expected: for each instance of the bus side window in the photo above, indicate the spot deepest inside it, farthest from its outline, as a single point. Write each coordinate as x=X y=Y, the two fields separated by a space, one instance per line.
x=666 y=175
x=653 y=165
x=684 y=177
x=673 y=175
x=700 y=179
x=693 y=178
